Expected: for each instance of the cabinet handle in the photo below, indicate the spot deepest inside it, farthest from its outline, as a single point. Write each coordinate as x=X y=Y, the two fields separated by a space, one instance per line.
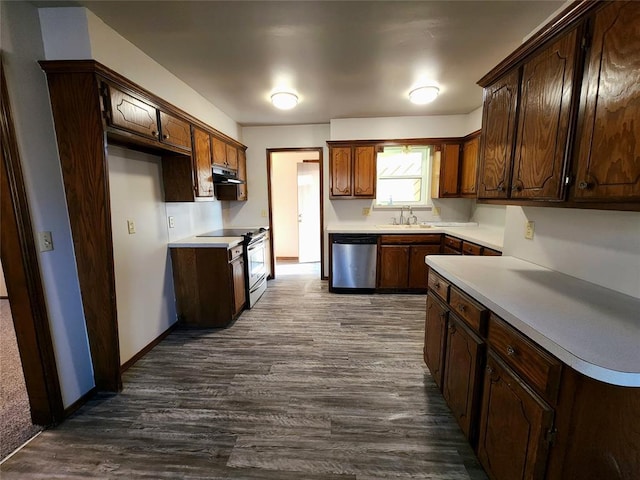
x=510 y=350
x=452 y=328
x=489 y=369
x=154 y=133
x=437 y=285
x=461 y=307
x=584 y=185
x=165 y=136
x=500 y=188
x=516 y=188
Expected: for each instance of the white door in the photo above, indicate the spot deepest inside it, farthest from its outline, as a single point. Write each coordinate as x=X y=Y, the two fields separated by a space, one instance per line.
x=308 y=212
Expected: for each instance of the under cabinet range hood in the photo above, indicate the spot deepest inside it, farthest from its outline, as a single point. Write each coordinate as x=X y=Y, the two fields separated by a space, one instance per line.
x=222 y=176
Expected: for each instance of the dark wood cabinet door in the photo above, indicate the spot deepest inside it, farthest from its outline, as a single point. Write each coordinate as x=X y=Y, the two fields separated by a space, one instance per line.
x=232 y=157
x=130 y=113
x=449 y=170
x=543 y=121
x=418 y=270
x=174 y=131
x=340 y=172
x=219 y=149
x=498 y=127
x=435 y=337
x=364 y=172
x=239 y=292
x=608 y=152
x=242 y=175
x=393 y=266
x=513 y=426
x=202 y=163
x=469 y=167
x=461 y=375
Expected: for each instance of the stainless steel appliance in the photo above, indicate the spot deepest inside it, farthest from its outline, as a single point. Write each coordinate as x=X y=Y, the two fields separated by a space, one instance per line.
x=222 y=176
x=353 y=263
x=255 y=267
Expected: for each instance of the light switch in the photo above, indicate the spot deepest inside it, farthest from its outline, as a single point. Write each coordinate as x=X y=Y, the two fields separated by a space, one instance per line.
x=45 y=241
x=131 y=227
x=264 y=214
x=528 y=230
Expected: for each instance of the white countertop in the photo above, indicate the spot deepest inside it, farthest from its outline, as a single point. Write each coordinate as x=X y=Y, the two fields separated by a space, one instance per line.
x=206 y=242
x=593 y=329
x=491 y=237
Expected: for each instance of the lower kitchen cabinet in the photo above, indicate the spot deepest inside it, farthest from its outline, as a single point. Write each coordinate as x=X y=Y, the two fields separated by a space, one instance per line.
x=401 y=263
x=461 y=385
x=435 y=338
x=209 y=285
x=515 y=426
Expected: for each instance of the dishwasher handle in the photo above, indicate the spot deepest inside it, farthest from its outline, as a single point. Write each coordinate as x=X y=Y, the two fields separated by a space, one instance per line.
x=354 y=239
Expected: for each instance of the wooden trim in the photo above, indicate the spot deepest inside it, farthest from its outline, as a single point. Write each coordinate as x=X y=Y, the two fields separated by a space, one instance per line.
x=129 y=363
x=320 y=151
x=626 y=206
x=22 y=275
x=75 y=406
x=110 y=76
x=287 y=258
x=471 y=136
x=394 y=142
x=82 y=147
x=561 y=22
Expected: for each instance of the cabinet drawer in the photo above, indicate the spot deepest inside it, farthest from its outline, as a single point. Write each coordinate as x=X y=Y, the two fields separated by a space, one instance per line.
x=450 y=251
x=488 y=252
x=469 y=248
x=235 y=252
x=439 y=285
x=469 y=310
x=454 y=243
x=413 y=239
x=537 y=367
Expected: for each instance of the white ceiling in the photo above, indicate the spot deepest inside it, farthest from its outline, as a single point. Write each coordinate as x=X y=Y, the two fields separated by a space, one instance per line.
x=344 y=59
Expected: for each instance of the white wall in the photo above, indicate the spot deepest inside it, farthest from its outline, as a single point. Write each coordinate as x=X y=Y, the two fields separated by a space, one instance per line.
x=399 y=127
x=77 y=33
x=22 y=47
x=602 y=247
x=489 y=215
x=144 y=283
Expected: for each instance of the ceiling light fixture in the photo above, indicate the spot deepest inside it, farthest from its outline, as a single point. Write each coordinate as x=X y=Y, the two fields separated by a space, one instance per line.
x=423 y=95
x=284 y=100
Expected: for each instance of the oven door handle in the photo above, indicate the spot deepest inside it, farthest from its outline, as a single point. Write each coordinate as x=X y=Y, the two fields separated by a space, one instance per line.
x=258 y=283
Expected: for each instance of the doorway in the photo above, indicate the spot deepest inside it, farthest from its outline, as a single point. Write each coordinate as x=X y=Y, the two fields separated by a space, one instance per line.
x=295 y=210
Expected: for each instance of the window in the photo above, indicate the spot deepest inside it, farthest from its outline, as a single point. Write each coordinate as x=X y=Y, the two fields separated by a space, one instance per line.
x=403 y=176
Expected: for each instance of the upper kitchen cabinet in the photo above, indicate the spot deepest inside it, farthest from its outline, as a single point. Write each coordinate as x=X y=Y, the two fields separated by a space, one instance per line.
x=131 y=114
x=202 y=163
x=543 y=121
x=225 y=155
x=560 y=113
x=175 y=131
x=235 y=192
x=446 y=172
x=608 y=145
x=498 y=125
x=469 y=166
x=352 y=170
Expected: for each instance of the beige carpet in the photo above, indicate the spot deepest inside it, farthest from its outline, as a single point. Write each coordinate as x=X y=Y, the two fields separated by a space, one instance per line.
x=15 y=417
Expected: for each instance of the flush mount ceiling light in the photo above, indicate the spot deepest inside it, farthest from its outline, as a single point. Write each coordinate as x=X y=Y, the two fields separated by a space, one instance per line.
x=284 y=100
x=423 y=95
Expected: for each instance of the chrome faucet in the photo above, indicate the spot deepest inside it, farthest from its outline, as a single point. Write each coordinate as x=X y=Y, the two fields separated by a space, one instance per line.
x=412 y=219
x=401 y=215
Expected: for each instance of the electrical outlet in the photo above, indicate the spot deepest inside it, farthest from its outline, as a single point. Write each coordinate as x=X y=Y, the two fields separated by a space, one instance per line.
x=528 y=230
x=436 y=211
x=45 y=241
x=366 y=211
x=263 y=213
x=172 y=222
x=131 y=227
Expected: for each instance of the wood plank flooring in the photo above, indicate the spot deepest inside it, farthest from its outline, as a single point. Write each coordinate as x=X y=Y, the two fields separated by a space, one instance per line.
x=307 y=385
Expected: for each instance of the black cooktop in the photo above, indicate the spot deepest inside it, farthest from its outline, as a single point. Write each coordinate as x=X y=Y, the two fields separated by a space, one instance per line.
x=234 y=232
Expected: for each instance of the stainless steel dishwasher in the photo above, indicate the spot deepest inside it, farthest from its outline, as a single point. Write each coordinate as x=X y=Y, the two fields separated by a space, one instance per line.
x=353 y=263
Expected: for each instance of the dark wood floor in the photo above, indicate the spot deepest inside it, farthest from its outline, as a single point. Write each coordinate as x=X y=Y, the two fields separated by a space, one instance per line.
x=307 y=385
